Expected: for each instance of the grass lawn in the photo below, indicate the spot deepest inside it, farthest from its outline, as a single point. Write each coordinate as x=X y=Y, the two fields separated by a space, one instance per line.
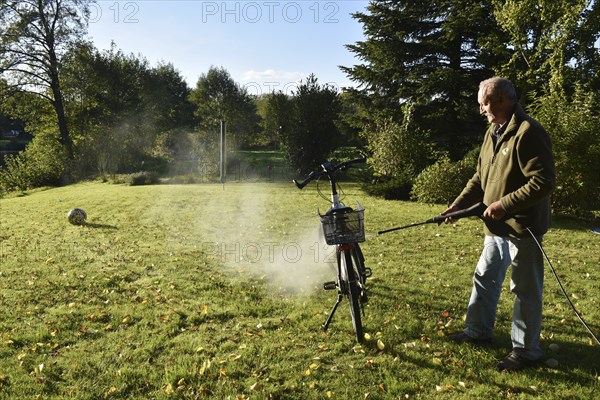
x=211 y=291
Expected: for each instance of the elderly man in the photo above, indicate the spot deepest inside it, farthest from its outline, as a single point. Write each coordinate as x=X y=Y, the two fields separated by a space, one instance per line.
x=514 y=178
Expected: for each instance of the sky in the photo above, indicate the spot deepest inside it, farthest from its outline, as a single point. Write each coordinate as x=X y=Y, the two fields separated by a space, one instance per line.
x=264 y=45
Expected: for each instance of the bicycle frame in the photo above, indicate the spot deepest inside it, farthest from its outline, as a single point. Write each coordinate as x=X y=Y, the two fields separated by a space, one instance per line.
x=335 y=197
x=351 y=271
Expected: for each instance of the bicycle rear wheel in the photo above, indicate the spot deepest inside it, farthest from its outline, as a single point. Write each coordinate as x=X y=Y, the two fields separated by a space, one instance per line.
x=352 y=291
x=362 y=273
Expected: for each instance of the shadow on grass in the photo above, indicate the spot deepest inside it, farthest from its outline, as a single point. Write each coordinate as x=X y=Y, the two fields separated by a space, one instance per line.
x=574 y=224
x=577 y=366
x=100 y=226
x=577 y=361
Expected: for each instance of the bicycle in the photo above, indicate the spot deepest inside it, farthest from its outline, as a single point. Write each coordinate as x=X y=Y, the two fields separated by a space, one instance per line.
x=343 y=227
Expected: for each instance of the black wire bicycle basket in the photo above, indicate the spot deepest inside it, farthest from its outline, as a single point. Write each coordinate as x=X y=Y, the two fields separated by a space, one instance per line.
x=344 y=226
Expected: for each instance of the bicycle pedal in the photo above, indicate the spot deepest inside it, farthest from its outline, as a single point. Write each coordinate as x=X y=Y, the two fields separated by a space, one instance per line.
x=368 y=272
x=330 y=285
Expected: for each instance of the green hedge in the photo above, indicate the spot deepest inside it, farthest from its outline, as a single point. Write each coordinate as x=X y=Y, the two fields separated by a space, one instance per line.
x=443 y=181
x=42 y=163
x=143 y=178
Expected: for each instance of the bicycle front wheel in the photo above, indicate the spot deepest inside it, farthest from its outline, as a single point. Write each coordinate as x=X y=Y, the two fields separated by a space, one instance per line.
x=348 y=276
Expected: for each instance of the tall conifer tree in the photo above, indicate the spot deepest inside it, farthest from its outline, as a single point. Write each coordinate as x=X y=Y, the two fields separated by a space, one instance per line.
x=432 y=53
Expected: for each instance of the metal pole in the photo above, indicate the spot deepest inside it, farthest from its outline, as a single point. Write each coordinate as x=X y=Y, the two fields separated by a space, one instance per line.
x=223 y=155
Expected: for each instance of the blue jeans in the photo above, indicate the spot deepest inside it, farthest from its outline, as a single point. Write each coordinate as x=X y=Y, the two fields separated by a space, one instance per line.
x=527 y=281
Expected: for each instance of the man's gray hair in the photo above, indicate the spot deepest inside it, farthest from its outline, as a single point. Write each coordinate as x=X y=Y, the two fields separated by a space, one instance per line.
x=497 y=86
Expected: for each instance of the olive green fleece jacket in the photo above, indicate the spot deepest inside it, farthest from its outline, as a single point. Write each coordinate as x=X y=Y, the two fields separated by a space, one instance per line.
x=520 y=172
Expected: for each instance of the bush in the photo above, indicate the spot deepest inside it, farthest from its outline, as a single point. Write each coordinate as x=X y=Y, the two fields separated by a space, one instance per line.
x=42 y=163
x=398 y=149
x=398 y=188
x=573 y=125
x=443 y=181
x=143 y=178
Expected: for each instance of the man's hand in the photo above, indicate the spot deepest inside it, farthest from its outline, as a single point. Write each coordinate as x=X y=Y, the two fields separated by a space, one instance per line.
x=450 y=209
x=495 y=211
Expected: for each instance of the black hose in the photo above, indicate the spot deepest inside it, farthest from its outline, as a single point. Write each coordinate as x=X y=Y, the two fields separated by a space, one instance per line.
x=562 y=288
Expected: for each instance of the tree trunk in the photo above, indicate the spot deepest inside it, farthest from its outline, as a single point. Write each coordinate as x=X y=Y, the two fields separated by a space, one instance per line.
x=58 y=103
x=63 y=127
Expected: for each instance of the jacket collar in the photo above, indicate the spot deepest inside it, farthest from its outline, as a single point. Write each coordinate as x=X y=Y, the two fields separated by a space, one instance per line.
x=512 y=124
x=517 y=117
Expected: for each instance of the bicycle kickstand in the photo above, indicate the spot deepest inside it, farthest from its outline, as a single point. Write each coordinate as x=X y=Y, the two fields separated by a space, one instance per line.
x=335 y=306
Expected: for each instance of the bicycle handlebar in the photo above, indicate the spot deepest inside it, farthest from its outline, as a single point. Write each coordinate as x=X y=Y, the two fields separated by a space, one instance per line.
x=328 y=169
x=300 y=185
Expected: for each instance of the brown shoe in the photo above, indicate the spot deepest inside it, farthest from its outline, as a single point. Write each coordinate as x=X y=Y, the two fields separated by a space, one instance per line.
x=462 y=337
x=516 y=362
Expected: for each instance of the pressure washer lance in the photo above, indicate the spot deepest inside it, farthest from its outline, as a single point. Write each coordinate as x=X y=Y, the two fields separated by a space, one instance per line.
x=473 y=211
x=477 y=211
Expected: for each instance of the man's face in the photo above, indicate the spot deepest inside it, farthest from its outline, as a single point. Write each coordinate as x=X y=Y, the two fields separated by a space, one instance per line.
x=495 y=109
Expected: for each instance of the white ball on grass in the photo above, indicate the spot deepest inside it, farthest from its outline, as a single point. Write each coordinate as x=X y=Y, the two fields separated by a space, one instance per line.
x=77 y=216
